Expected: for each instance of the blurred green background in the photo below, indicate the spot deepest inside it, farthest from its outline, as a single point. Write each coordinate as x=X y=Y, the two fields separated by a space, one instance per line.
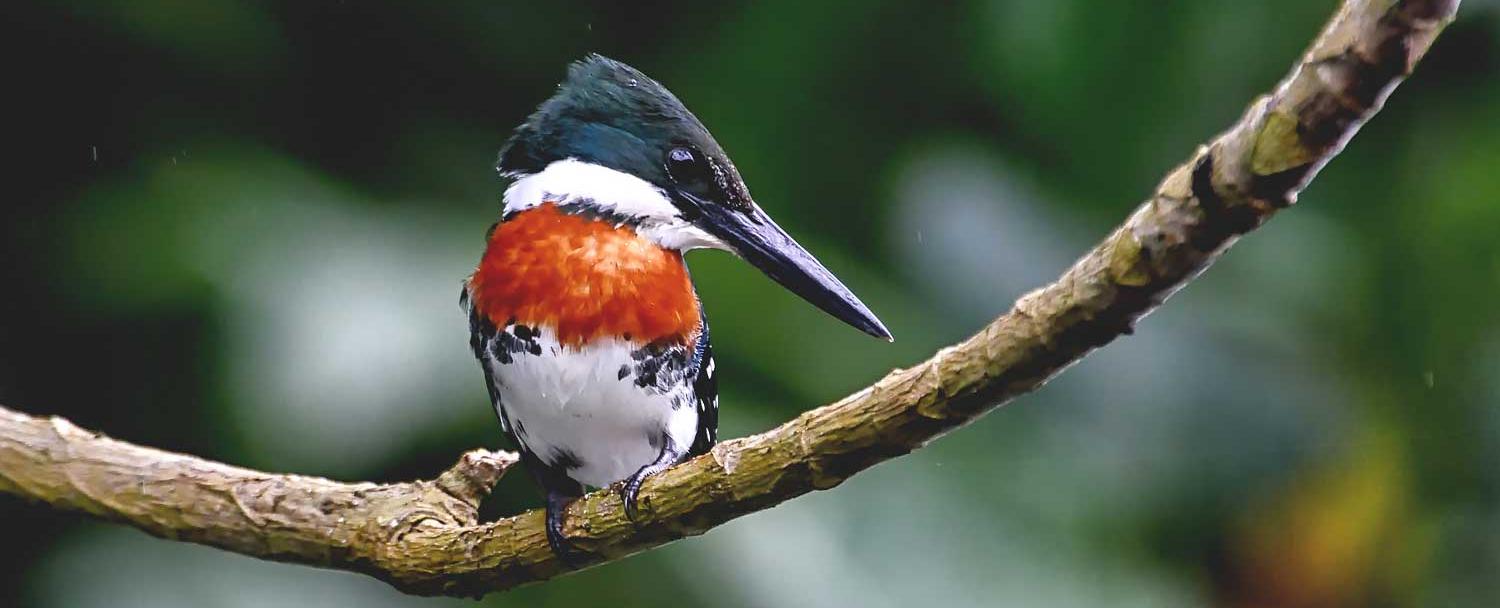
x=237 y=229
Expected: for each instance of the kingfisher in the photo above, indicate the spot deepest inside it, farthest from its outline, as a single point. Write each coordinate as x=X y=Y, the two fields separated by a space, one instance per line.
x=583 y=316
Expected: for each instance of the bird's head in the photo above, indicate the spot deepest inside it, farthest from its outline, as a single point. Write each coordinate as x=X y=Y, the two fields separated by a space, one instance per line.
x=615 y=144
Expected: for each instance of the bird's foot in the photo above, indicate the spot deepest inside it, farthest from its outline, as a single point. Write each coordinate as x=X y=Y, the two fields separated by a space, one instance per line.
x=557 y=507
x=630 y=490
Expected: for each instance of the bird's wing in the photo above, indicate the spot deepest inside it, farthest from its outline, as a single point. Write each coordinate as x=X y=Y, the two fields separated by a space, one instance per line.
x=706 y=394
x=481 y=336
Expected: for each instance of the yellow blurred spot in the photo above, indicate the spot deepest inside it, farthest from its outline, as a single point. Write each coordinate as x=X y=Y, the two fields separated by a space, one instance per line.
x=1341 y=534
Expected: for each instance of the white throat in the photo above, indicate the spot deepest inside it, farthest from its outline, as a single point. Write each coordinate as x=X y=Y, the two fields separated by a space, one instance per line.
x=571 y=182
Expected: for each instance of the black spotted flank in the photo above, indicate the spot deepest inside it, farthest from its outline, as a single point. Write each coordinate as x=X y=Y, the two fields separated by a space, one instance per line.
x=512 y=341
x=662 y=366
x=502 y=344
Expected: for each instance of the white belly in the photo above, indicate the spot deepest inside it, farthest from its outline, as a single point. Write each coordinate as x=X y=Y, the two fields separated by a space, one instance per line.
x=571 y=406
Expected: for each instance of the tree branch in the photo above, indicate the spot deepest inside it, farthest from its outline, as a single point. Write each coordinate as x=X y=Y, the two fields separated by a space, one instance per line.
x=423 y=536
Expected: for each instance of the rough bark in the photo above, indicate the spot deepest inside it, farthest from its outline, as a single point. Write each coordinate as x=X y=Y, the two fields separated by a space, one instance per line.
x=423 y=536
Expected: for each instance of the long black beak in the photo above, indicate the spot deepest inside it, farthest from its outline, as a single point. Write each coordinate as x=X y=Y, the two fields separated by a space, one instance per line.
x=758 y=240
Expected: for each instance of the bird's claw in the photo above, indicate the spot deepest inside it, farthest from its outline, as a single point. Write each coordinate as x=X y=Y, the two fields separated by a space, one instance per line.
x=557 y=505
x=629 y=493
x=631 y=489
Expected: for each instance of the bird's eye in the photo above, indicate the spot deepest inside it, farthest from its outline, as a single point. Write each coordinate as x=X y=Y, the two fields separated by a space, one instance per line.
x=680 y=156
x=684 y=166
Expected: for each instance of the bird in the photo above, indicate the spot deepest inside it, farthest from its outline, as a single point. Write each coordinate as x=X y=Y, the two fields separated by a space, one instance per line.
x=582 y=313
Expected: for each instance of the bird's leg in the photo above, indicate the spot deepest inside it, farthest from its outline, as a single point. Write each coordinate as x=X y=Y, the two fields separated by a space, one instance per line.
x=671 y=454
x=561 y=492
x=557 y=507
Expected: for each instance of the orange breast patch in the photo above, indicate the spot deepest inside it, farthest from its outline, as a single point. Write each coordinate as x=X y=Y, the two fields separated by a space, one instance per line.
x=585 y=279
